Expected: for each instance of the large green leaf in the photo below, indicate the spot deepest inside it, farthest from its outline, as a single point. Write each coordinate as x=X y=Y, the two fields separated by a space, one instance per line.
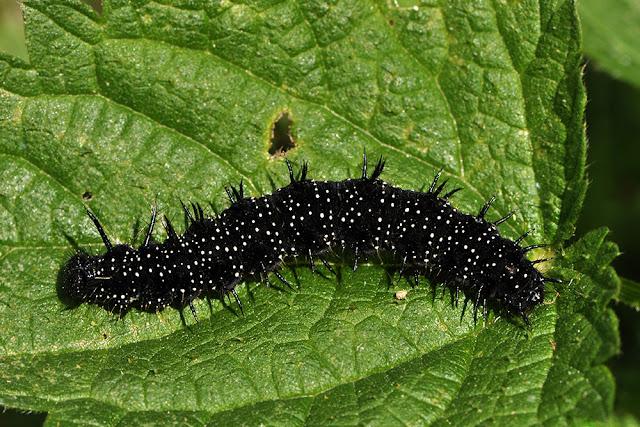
x=611 y=33
x=167 y=101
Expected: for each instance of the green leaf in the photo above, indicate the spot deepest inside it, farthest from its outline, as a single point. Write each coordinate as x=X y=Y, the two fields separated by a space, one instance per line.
x=11 y=31
x=629 y=292
x=611 y=33
x=169 y=101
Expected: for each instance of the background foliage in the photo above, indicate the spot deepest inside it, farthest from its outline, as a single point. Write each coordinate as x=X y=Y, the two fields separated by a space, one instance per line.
x=473 y=364
x=612 y=79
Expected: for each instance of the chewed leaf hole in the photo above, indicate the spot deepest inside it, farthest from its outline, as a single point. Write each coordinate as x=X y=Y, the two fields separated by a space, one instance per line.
x=281 y=139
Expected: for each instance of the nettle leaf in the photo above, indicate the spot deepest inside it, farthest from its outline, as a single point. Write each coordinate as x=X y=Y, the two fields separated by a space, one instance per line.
x=161 y=101
x=610 y=37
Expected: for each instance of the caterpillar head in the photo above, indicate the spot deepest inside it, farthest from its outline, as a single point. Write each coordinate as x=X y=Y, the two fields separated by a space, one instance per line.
x=79 y=276
x=88 y=277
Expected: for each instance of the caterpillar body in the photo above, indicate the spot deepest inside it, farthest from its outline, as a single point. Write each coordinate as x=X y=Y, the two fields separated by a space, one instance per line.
x=308 y=218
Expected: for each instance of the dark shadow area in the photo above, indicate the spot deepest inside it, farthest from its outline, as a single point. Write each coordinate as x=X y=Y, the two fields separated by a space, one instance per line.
x=613 y=200
x=15 y=418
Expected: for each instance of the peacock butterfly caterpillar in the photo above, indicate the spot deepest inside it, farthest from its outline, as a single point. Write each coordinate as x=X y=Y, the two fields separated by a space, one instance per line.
x=309 y=217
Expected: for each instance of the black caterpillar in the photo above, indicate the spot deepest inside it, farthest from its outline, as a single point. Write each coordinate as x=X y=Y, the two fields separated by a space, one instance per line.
x=307 y=218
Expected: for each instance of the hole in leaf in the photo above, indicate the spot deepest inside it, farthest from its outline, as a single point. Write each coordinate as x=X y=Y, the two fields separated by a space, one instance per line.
x=87 y=195
x=95 y=5
x=281 y=139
